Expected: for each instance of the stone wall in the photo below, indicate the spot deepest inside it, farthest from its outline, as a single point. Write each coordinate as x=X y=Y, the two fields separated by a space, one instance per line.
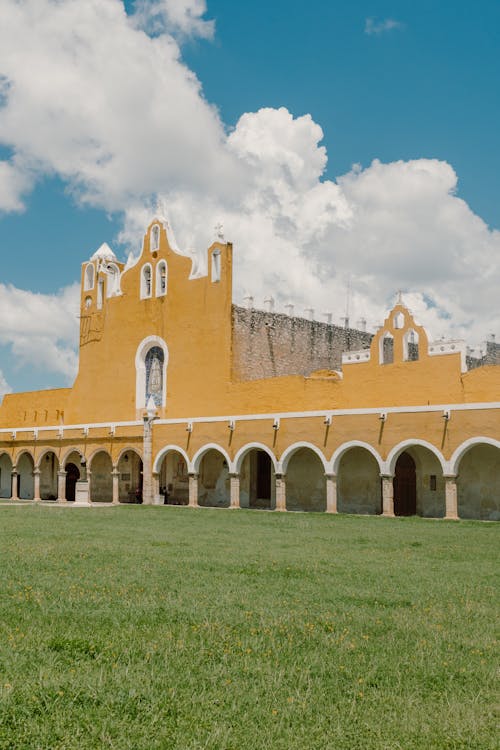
x=273 y=344
x=491 y=356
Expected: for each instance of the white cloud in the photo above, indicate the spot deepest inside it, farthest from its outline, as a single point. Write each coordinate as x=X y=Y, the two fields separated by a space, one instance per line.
x=114 y=111
x=372 y=26
x=4 y=386
x=41 y=329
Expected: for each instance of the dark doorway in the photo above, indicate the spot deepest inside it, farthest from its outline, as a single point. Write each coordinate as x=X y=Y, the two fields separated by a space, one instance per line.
x=72 y=477
x=260 y=480
x=405 y=486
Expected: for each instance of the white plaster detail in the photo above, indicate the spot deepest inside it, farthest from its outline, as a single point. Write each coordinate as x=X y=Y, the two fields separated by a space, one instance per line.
x=170 y=449
x=104 y=252
x=140 y=370
x=146 y=290
x=161 y=278
x=89 y=277
x=216 y=266
x=456 y=346
x=351 y=358
x=154 y=238
x=194 y=466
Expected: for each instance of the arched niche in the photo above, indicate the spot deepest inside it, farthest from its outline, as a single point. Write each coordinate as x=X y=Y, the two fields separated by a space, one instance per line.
x=478 y=483
x=358 y=482
x=173 y=477
x=213 y=480
x=305 y=481
x=101 y=478
x=130 y=477
x=5 y=475
x=25 y=478
x=48 y=464
x=147 y=382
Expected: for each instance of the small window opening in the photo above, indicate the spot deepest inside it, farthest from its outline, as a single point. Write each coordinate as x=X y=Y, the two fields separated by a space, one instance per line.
x=146 y=282
x=398 y=320
x=88 y=279
x=216 y=265
x=411 y=350
x=155 y=238
x=100 y=293
x=161 y=279
x=88 y=302
x=386 y=354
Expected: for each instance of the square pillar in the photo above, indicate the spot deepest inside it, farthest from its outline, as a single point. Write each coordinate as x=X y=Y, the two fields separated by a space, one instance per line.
x=451 y=497
x=280 y=492
x=116 y=486
x=331 y=493
x=235 y=490
x=387 y=495
x=36 y=477
x=61 y=486
x=193 y=490
x=157 y=498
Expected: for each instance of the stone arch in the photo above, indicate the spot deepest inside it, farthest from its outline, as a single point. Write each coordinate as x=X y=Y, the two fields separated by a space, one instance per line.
x=48 y=463
x=305 y=468
x=68 y=453
x=129 y=466
x=140 y=369
x=339 y=452
x=161 y=278
x=172 y=467
x=425 y=480
x=256 y=465
x=288 y=453
x=5 y=474
x=25 y=466
x=213 y=466
x=358 y=469
x=477 y=464
x=198 y=456
x=73 y=464
x=101 y=478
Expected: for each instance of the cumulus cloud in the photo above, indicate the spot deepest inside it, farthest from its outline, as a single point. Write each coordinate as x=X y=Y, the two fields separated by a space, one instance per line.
x=105 y=101
x=372 y=26
x=41 y=329
x=4 y=386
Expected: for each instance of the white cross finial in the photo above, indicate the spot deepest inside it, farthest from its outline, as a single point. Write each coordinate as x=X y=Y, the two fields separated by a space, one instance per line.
x=219 y=232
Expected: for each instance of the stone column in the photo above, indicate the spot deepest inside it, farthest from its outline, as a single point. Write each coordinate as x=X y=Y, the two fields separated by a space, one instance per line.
x=193 y=490
x=280 y=492
x=36 y=493
x=116 y=485
x=61 y=486
x=235 y=490
x=331 y=493
x=13 y=492
x=157 y=498
x=387 y=495
x=451 y=497
x=147 y=463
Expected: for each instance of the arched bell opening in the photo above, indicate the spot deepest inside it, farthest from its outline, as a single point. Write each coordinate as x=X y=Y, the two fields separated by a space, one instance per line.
x=478 y=483
x=358 y=483
x=257 y=481
x=101 y=478
x=213 y=481
x=130 y=477
x=305 y=482
x=174 y=479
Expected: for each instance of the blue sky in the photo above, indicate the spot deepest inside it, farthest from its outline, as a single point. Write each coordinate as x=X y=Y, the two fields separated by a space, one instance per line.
x=388 y=81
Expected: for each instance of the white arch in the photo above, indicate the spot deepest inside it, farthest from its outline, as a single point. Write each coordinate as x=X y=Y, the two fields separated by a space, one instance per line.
x=342 y=449
x=288 y=453
x=459 y=453
x=140 y=370
x=22 y=452
x=113 y=282
x=195 y=464
x=6 y=453
x=238 y=459
x=68 y=454
x=42 y=455
x=170 y=449
x=127 y=450
x=390 y=463
x=94 y=454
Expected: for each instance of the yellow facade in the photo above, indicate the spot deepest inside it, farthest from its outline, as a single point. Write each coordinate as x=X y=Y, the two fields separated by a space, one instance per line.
x=157 y=409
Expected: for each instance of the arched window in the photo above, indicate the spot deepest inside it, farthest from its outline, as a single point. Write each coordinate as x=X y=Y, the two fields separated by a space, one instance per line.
x=154 y=242
x=410 y=346
x=113 y=285
x=151 y=361
x=146 y=281
x=161 y=279
x=154 y=362
x=88 y=279
x=216 y=265
x=386 y=351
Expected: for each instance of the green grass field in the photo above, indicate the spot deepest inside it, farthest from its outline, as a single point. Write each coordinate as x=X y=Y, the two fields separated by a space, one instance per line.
x=147 y=628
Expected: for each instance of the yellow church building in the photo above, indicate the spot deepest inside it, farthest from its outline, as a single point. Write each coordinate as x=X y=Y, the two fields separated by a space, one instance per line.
x=184 y=398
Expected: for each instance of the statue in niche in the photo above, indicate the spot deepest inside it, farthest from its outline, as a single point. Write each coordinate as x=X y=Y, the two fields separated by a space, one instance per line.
x=154 y=383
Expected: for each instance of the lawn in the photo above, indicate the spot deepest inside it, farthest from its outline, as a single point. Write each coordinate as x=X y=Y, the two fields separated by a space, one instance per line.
x=146 y=628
